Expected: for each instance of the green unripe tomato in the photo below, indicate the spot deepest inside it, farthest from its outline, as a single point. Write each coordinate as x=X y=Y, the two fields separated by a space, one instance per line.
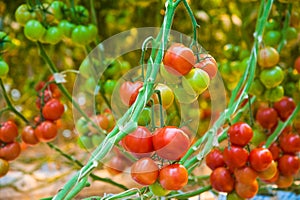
x=53 y=35
x=291 y=33
x=85 y=142
x=258 y=137
x=66 y=27
x=231 y=51
x=4 y=41
x=244 y=53
x=57 y=8
x=168 y=77
x=271 y=77
x=4 y=68
x=197 y=80
x=274 y=94
x=271 y=25
x=109 y=86
x=272 y=38
x=256 y=88
x=23 y=15
x=290 y=88
x=97 y=139
x=93 y=31
x=158 y=190
x=82 y=126
x=125 y=66
x=145 y=117
x=34 y=30
x=80 y=35
x=113 y=70
x=90 y=85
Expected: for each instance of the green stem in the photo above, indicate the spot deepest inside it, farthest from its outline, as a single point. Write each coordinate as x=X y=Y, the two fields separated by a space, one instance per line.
x=285 y=26
x=191 y=194
x=194 y=22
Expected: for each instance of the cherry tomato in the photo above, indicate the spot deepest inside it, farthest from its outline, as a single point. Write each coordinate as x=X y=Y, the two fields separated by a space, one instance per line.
x=260 y=159
x=10 y=151
x=53 y=35
x=8 y=131
x=173 y=177
x=267 y=117
x=240 y=134
x=274 y=94
x=221 y=180
x=196 y=81
x=66 y=27
x=139 y=142
x=284 y=107
x=179 y=60
x=85 y=142
x=4 y=68
x=273 y=179
x=231 y=51
x=34 y=30
x=291 y=33
x=57 y=8
x=117 y=165
x=275 y=150
x=208 y=64
x=235 y=156
x=258 y=137
x=80 y=35
x=129 y=92
x=269 y=173
x=144 y=171
x=4 y=167
x=100 y=120
x=271 y=77
x=46 y=131
x=246 y=190
x=284 y=181
x=245 y=175
x=28 y=136
x=214 y=159
x=170 y=142
x=158 y=190
x=23 y=14
x=257 y=88
x=290 y=143
x=288 y=164
x=53 y=110
x=272 y=24
x=297 y=64
x=109 y=86
x=267 y=57
x=272 y=38
x=167 y=95
x=145 y=117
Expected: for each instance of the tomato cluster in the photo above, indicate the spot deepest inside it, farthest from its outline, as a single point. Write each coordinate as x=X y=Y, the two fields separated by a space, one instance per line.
x=50 y=23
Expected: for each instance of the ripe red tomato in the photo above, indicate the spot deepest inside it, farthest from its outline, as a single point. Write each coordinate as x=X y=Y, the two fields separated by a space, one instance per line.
x=269 y=173
x=284 y=107
x=28 y=136
x=275 y=150
x=53 y=110
x=4 y=167
x=288 y=164
x=284 y=181
x=10 y=151
x=100 y=120
x=290 y=143
x=240 y=134
x=173 y=177
x=117 y=165
x=221 y=180
x=235 y=157
x=297 y=64
x=46 y=131
x=144 y=171
x=267 y=117
x=267 y=57
x=179 y=60
x=214 y=159
x=246 y=191
x=245 y=175
x=8 y=131
x=208 y=64
x=170 y=142
x=129 y=91
x=260 y=159
x=139 y=142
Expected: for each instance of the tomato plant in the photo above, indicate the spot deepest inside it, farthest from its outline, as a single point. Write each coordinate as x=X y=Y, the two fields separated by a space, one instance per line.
x=28 y=136
x=8 y=131
x=53 y=110
x=288 y=165
x=267 y=117
x=214 y=159
x=144 y=171
x=240 y=134
x=173 y=177
x=235 y=156
x=246 y=190
x=221 y=180
x=46 y=131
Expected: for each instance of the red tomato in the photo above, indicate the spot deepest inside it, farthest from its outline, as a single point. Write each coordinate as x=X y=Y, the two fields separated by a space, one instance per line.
x=8 y=131
x=208 y=64
x=290 y=143
x=260 y=159
x=269 y=173
x=267 y=117
x=235 y=157
x=129 y=91
x=240 y=134
x=144 y=171
x=100 y=120
x=173 y=177
x=221 y=180
x=53 y=110
x=267 y=57
x=288 y=165
x=139 y=142
x=273 y=179
x=284 y=181
x=245 y=175
x=179 y=60
x=246 y=191
x=297 y=64
x=10 y=151
x=28 y=136
x=46 y=131
x=284 y=107
x=170 y=142
x=275 y=150
x=214 y=159
x=117 y=165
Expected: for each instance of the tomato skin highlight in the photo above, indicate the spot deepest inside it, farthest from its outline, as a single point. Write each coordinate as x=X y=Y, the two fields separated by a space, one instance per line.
x=10 y=151
x=46 y=131
x=8 y=131
x=214 y=159
x=260 y=159
x=284 y=107
x=267 y=117
x=173 y=177
x=28 y=136
x=289 y=143
x=288 y=165
x=235 y=157
x=240 y=134
x=53 y=110
x=221 y=180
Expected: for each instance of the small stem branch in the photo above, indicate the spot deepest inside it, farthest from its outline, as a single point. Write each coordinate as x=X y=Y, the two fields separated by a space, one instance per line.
x=191 y=194
x=285 y=26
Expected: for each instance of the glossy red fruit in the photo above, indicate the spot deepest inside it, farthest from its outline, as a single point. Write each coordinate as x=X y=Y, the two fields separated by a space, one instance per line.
x=117 y=164
x=208 y=64
x=129 y=91
x=10 y=151
x=214 y=159
x=8 y=131
x=240 y=134
x=267 y=117
x=245 y=175
x=170 y=142
x=297 y=64
x=284 y=181
x=46 y=131
x=173 y=177
x=260 y=159
x=288 y=165
x=179 y=60
x=53 y=110
x=246 y=191
x=285 y=107
x=28 y=136
x=235 y=157
x=221 y=180
x=139 y=142
x=275 y=150
x=144 y=171
x=290 y=143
